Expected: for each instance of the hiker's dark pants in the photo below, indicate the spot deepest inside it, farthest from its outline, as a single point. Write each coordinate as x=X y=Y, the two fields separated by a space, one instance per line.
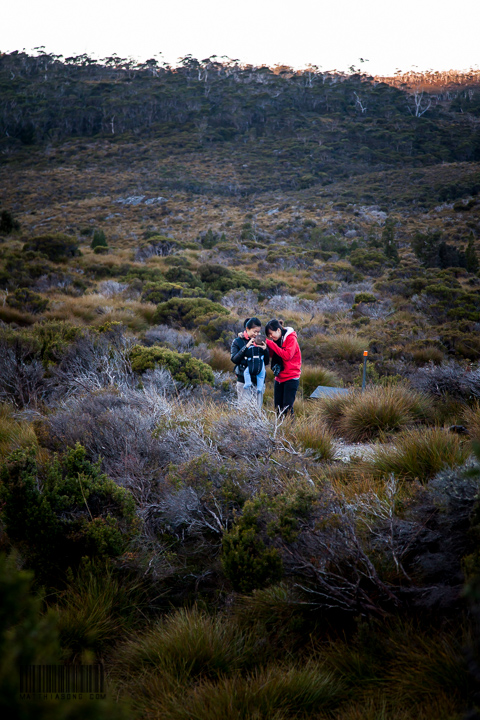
x=284 y=395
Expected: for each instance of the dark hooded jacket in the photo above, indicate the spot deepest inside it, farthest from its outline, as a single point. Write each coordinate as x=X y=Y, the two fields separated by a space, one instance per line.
x=239 y=354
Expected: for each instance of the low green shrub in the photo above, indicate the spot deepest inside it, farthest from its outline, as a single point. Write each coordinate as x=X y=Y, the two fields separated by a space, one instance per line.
x=179 y=274
x=26 y=300
x=57 y=513
x=221 y=278
x=55 y=246
x=186 y=312
x=364 y=297
x=8 y=223
x=99 y=240
x=162 y=292
x=183 y=367
x=246 y=560
x=371 y=262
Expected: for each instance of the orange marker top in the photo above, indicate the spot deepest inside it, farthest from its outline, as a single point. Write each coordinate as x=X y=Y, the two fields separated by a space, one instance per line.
x=365 y=353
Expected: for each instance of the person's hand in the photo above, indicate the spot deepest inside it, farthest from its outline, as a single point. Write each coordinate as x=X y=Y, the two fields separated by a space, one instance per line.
x=250 y=342
x=261 y=345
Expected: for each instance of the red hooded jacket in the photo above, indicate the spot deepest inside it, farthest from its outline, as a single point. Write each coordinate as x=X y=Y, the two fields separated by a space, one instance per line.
x=289 y=351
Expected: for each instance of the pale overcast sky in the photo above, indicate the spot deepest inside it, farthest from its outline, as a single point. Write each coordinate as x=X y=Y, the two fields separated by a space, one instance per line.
x=335 y=34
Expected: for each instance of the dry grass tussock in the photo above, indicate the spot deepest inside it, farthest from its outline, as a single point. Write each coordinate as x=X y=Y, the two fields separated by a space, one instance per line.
x=95 y=309
x=361 y=416
x=345 y=346
x=471 y=417
x=418 y=454
x=14 y=434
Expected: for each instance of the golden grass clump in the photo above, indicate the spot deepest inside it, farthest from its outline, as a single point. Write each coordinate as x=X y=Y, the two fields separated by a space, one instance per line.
x=471 y=417
x=220 y=360
x=14 y=435
x=419 y=454
x=187 y=644
x=314 y=375
x=311 y=433
x=344 y=346
x=363 y=416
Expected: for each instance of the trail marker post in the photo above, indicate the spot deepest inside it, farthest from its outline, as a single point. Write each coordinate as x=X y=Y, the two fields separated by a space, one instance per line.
x=364 y=378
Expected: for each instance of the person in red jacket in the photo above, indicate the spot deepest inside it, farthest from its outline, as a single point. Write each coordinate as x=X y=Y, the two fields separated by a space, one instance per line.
x=286 y=362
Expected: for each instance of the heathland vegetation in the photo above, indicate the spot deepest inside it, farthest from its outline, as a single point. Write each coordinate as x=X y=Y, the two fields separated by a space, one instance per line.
x=220 y=563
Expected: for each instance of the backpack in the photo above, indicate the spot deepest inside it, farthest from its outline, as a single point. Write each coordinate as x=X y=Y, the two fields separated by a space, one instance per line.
x=255 y=361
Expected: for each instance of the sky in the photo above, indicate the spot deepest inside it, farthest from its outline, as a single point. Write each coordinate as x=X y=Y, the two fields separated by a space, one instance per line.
x=389 y=36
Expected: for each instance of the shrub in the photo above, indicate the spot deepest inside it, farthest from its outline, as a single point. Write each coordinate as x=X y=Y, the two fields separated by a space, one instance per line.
x=246 y=561
x=448 y=379
x=419 y=454
x=25 y=300
x=162 y=292
x=58 y=513
x=8 y=223
x=365 y=297
x=219 y=328
x=218 y=277
x=55 y=247
x=183 y=367
x=99 y=240
x=371 y=262
x=178 y=274
x=26 y=637
x=186 y=311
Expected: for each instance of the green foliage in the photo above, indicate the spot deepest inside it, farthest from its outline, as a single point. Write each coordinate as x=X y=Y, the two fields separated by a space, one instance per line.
x=28 y=301
x=99 y=240
x=388 y=242
x=26 y=638
x=221 y=278
x=364 y=297
x=183 y=367
x=56 y=247
x=186 y=312
x=56 y=514
x=246 y=561
x=162 y=292
x=8 y=223
x=179 y=274
x=369 y=261
x=471 y=258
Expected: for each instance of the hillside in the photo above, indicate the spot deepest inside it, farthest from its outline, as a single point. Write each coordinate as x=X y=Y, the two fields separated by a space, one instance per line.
x=216 y=561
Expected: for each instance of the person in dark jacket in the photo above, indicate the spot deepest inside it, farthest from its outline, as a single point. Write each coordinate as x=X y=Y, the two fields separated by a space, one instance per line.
x=286 y=364
x=249 y=357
